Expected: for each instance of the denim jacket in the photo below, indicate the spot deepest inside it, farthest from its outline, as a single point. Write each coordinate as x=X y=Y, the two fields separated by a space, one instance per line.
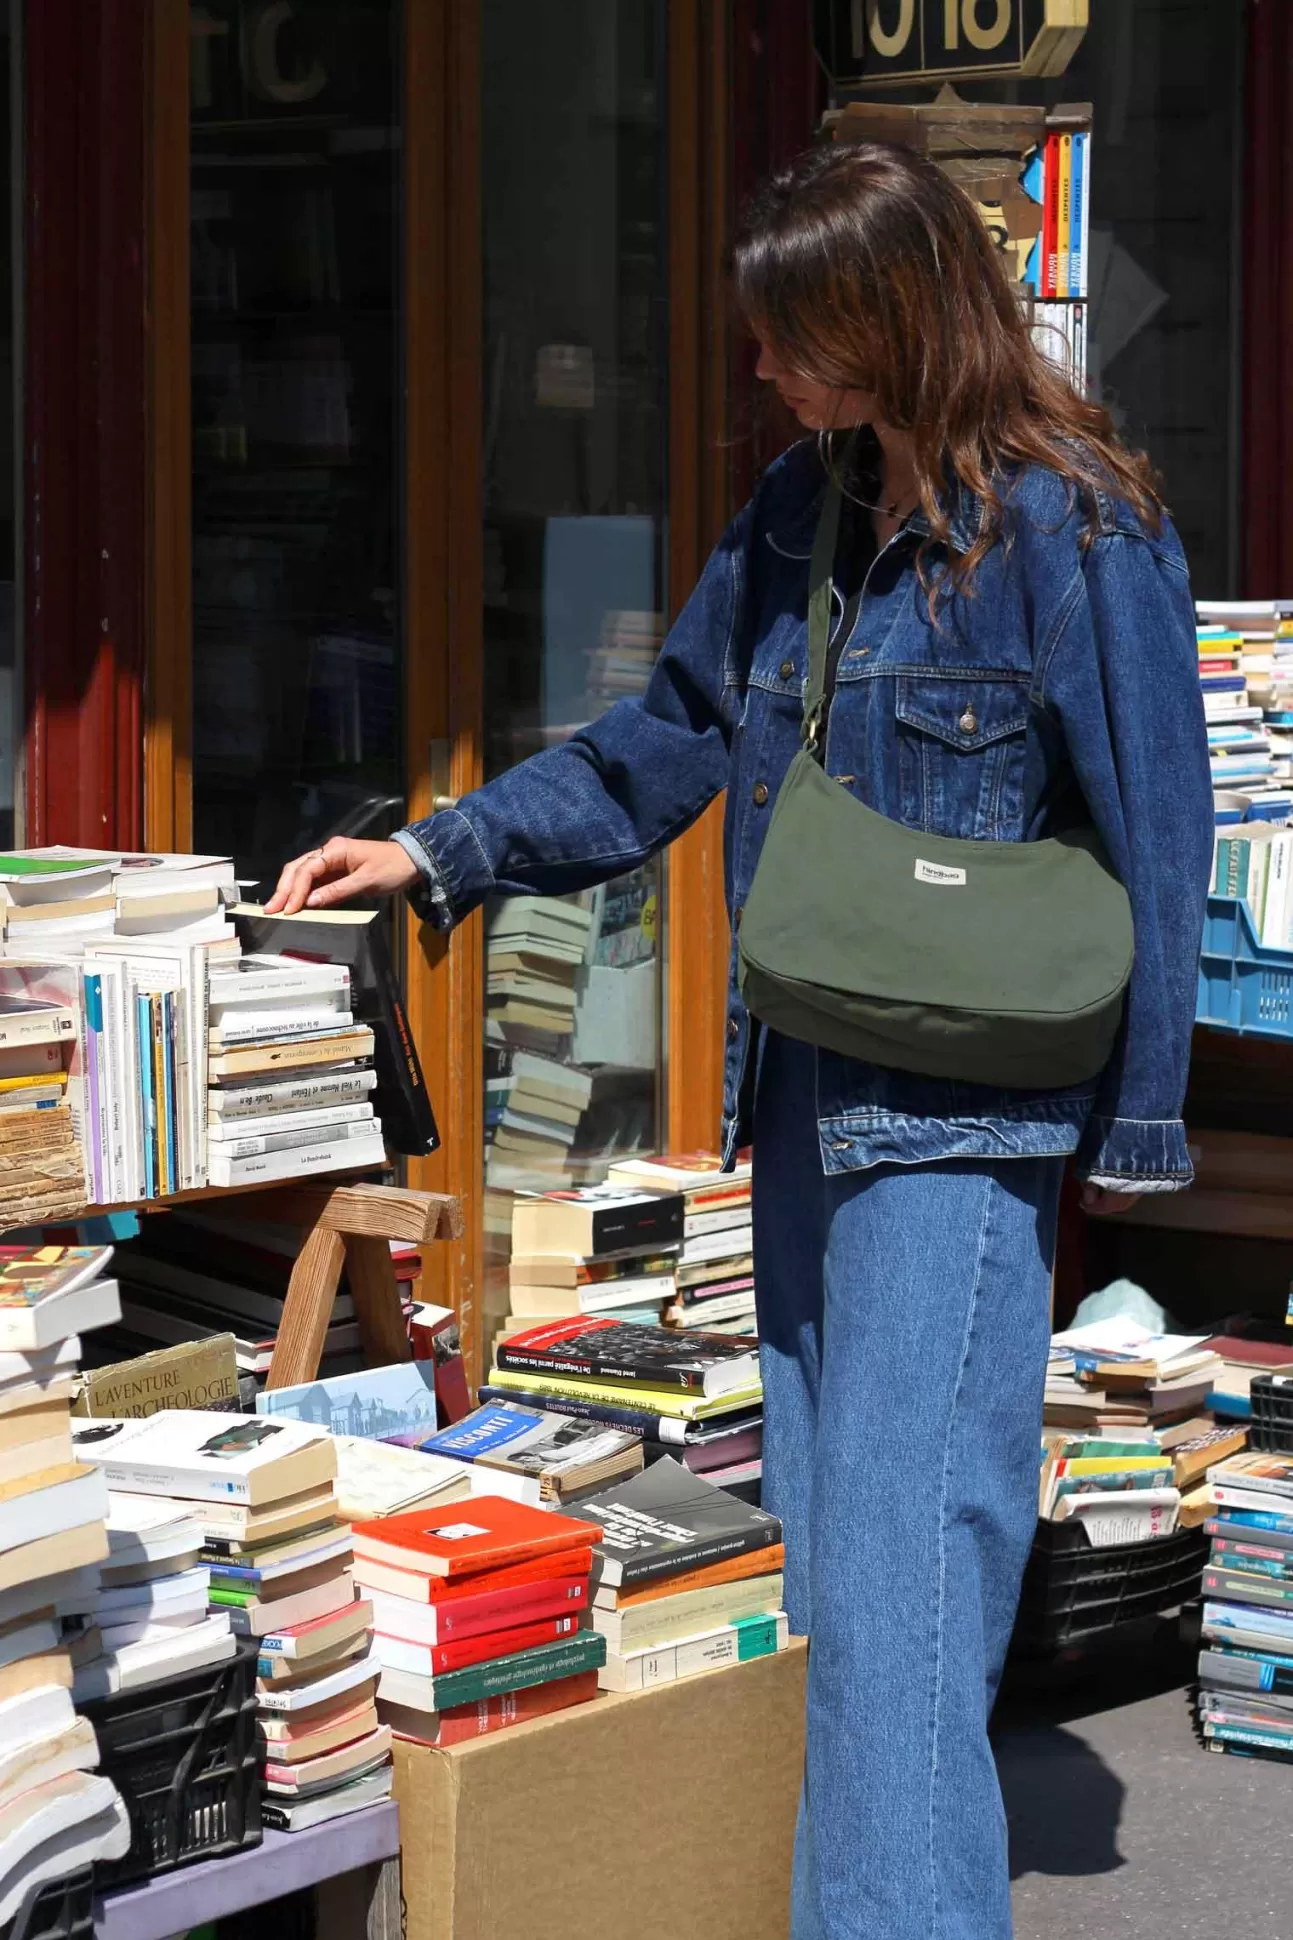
x=1072 y=658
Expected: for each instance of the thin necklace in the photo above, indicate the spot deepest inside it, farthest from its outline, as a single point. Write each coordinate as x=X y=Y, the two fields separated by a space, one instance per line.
x=886 y=511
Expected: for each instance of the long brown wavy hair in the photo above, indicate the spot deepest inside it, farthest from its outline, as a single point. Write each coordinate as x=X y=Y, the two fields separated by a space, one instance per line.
x=865 y=267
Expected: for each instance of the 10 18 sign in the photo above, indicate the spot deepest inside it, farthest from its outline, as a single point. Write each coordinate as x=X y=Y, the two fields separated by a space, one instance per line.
x=880 y=42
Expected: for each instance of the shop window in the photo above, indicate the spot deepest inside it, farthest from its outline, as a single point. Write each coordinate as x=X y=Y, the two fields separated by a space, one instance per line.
x=297 y=496
x=573 y=165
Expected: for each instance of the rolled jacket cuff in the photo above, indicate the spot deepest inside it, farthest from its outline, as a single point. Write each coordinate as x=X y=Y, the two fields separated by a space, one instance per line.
x=429 y=896
x=1135 y=1155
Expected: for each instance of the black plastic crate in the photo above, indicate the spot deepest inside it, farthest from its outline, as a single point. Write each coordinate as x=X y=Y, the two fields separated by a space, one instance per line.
x=183 y=1756
x=63 y=1910
x=1271 y=1428
x=1075 y=1590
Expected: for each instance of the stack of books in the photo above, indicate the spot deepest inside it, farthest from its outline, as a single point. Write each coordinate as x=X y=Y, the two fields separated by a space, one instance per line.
x=150 y=1615
x=693 y=1395
x=620 y=664
x=290 y=1070
x=480 y=1618
x=62 y=900
x=1118 y=1374
x=686 y=1579
x=534 y=946
x=714 y=1272
x=1246 y=1664
x=533 y=1106
x=1246 y=672
x=278 y=1557
x=535 y=1457
x=42 y=1152
x=56 y=1813
x=596 y=1250
x=1126 y=1485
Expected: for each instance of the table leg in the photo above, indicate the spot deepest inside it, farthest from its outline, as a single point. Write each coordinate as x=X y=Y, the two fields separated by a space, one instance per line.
x=307 y=1308
x=376 y=1295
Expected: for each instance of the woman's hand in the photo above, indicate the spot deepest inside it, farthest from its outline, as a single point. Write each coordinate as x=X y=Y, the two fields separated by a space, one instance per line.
x=338 y=872
x=1100 y=1200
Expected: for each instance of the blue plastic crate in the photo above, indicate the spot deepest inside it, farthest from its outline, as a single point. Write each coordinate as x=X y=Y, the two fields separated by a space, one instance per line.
x=1242 y=985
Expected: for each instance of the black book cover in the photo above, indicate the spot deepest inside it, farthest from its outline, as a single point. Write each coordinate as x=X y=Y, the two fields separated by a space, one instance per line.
x=650 y=1357
x=665 y=1520
x=655 y=1220
x=356 y=938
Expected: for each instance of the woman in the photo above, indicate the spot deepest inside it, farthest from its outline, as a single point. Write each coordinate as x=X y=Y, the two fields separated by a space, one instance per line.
x=1014 y=629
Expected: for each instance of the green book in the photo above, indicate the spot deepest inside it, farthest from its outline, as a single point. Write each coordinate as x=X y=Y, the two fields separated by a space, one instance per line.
x=584 y=1651
x=232 y=1599
x=19 y=868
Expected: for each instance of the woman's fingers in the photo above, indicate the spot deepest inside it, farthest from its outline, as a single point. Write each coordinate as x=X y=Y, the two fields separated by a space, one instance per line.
x=340 y=871
x=295 y=883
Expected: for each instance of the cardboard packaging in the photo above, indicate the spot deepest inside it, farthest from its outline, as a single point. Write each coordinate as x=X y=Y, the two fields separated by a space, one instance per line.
x=666 y=1813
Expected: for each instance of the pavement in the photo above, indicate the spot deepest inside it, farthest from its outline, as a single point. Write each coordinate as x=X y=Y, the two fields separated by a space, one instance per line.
x=1121 y=1825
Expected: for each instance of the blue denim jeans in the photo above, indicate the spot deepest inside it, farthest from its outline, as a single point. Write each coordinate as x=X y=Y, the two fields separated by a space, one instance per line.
x=904 y=1318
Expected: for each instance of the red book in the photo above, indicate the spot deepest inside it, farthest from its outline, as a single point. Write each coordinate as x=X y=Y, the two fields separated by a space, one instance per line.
x=486 y=1532
x=413 y=1586
x=464 y=1721
x=472 y=1616
x=429 y=1660
x=1050 y=217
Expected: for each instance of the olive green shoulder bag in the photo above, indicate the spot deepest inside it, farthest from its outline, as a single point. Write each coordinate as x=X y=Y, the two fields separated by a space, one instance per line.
x=1003 y=963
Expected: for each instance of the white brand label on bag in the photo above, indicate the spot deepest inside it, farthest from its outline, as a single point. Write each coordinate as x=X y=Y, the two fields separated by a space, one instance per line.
x=935 y=872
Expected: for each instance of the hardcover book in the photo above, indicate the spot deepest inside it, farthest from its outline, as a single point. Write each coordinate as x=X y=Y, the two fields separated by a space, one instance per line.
x=659 y=1358
x=585 y=1651
x=200 y=1374
x=596 y=1220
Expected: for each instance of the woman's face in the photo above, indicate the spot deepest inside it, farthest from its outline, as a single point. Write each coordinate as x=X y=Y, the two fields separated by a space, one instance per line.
x=819 y=407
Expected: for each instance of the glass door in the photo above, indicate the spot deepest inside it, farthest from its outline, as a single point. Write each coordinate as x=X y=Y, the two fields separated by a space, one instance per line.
x=297 y=497
x=574 y=170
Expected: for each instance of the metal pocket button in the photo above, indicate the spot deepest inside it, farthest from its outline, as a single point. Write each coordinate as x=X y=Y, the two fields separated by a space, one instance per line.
x=760 y=794
x=968 y=722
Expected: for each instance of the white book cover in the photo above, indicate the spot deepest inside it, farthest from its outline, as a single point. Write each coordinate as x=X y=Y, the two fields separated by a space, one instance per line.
x=376 y=1478
x=188 y=1647
x=68 y=1593
x=269 y=1124
x=327 y=1156
x=65 y=1504
x=183 y=1590
x=54 y=1317
x=208 y=1457
x=44 y=1364
x=640 y=1670
x=148 y=1626
x=296 y=1815
x=71 y=1746
x=229 y=1028
x=290 y=1094
x=271 y=979
x=235 y=1144
x=148 y=1528
x=29 y=1640
x=53 y=1829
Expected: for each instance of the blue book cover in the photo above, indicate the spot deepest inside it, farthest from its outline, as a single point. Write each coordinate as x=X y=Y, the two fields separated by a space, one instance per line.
x=483 y=1432
x=92 y=984
x=377 y=1404
x=147 y=1102
x=1077 y=193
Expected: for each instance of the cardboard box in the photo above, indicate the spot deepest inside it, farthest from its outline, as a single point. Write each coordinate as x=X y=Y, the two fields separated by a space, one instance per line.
x=656 y=1816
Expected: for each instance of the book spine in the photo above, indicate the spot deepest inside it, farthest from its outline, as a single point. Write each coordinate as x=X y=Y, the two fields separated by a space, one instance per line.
x=525 y=1603
x=1077 y=240
x=146 y=1101
x=585 y=1651
x=637 y=1570
x=594 y=1367
x=320 y=1157
x=1234 y=1671
x=491 y=1714
x=651 y=1427
x=1251 y=1735
x=245 y=1148
x=157 y=1026
x=464 y=1653
x=1247 y=1587
x=292 y=1094
x=97 y=1143
x=168 y=1076
x=1084 y=225
x=1050 y=216
x=1063 y=241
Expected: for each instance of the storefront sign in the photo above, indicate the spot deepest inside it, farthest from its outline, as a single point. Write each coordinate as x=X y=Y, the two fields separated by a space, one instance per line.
x=877 y=43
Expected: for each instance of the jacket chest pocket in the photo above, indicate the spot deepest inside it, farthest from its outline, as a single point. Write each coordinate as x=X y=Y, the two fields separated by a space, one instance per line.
x=961 y=744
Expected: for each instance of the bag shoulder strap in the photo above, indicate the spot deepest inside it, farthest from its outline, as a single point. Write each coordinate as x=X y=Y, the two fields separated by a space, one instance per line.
x=821 y=579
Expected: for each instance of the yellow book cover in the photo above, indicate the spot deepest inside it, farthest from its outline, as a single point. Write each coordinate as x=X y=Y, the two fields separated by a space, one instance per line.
x=1064 y=235
x=624 y=1394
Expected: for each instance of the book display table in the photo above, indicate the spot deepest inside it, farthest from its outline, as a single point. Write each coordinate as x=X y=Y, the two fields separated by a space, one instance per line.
x=345 y=1223
x=359 y=1852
